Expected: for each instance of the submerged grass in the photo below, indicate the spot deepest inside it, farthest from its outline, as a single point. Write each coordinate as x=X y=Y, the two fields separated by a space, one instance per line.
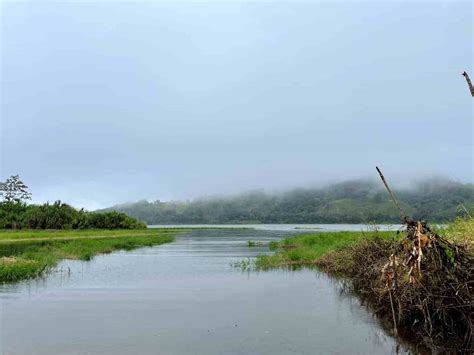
x=27 y=258
x=253 y=243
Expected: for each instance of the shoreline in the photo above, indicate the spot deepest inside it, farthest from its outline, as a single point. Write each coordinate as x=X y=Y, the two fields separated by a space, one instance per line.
x=360 y=257
x=27 y=258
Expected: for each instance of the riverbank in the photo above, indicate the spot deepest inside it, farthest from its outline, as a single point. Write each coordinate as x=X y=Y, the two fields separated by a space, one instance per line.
x=146 y=299
x=28 y=254
x=434 y=311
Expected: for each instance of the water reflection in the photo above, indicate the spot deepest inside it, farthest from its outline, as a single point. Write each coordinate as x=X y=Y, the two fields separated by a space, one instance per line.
x=183 y=298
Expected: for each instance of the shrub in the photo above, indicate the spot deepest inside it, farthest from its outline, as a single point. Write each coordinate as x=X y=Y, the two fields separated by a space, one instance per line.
x=59 y=215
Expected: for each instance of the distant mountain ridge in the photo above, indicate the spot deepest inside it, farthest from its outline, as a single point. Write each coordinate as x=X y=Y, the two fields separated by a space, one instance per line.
x=356 y=201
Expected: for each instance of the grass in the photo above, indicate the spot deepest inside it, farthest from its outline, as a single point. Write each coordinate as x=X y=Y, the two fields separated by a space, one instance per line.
x=309 y=249
x=8 y=235
x=17 y=268
x=11 y=235
x=461 y=231
x=253 y=243
x=30 y=254
x=305 y=250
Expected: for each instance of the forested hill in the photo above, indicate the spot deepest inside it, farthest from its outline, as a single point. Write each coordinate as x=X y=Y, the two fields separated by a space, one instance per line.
x=358 y=201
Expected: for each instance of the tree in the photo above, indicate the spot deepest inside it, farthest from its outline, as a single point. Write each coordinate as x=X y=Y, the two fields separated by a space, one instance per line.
x=14 y=190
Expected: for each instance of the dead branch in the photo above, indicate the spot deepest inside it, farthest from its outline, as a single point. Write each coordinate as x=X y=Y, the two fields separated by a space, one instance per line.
x=471 y=88
x=403 y=215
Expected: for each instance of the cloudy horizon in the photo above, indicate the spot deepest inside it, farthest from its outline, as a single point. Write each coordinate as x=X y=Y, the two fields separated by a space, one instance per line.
x=109 y=102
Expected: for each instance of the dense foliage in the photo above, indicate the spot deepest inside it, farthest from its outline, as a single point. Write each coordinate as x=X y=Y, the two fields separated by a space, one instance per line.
x=358 y=201
x=18 y=215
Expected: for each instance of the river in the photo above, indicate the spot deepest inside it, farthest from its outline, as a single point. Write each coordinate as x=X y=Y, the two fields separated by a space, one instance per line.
x=186 y=298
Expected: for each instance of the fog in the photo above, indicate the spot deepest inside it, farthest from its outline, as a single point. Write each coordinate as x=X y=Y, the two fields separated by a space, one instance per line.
x=106 y=102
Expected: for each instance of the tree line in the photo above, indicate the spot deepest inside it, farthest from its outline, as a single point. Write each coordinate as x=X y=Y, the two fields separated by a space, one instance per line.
x=358 y=201
x=15 y=213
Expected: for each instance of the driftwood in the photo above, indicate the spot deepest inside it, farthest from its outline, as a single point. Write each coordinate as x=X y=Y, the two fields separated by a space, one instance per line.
x=440 y=282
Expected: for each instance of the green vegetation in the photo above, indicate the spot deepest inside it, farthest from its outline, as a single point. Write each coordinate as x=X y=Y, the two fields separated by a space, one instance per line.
x=18 y=215
x=433 y=309
x=461 y=231
x=435 y=200
x=32 y=235
x=39 y=236
x=333 y=248
x=29 y=254
x=253 y=243
x=305 y=250
x=244 y=265
x=273 y=245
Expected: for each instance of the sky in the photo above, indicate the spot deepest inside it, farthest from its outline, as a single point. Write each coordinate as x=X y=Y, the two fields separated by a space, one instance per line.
x=107 y=102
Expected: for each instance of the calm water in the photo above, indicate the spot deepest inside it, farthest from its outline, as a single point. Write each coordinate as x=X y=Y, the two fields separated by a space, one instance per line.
x=185 y=298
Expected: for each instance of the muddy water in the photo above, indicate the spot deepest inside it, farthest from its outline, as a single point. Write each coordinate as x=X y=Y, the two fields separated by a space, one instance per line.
x=185 y=298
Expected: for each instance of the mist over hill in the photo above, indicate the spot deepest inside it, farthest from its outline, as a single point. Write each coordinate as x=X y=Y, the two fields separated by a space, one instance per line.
x=356 y=201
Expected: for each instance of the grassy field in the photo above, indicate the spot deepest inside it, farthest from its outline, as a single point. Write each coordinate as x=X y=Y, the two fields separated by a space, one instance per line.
x=8 y=235
x=22 y=235
x=28 y=254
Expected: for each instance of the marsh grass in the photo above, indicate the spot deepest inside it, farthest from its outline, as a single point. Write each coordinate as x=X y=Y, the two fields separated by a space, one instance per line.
x=15 y=268
x=243 y=265
x=253 y=243
x=10 y=235
x=436 y=311
x=305 y=250
x=461 y=231
x=23 y=259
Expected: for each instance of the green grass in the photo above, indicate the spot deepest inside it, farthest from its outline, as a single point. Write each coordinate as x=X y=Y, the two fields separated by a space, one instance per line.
x=10 y=235
x=306 y=249
x=360 y=258
x=253 y=243
x=29 y=257
x=16 y=268
x=461 y=231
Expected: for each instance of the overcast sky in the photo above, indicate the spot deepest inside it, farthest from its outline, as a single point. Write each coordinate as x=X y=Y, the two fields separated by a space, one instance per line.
x=109 y=102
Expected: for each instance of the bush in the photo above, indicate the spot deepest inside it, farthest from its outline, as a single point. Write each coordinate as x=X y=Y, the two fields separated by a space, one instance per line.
x=14 y=215
x=113 y=220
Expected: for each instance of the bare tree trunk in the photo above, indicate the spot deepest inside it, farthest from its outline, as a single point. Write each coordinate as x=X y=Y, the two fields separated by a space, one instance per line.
x=471 y=88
